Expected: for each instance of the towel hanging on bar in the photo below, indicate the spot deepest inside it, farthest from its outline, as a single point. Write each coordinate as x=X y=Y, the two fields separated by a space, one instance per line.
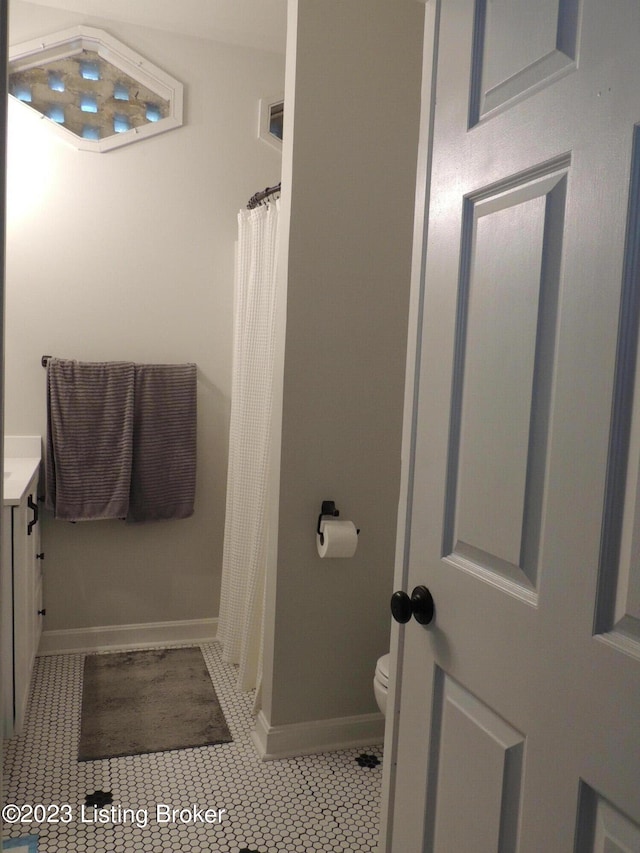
x=163 y=474
x=89 y=439
x=121 y=440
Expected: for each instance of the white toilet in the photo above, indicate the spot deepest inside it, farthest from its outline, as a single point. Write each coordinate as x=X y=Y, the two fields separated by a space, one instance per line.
x=381 y=682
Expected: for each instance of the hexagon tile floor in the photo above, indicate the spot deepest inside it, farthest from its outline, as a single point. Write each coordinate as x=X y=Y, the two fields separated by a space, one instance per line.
x=310 y=804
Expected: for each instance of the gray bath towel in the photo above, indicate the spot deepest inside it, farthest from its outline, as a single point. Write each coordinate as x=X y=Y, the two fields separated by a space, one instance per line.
x=89 y=439
x=163 y=475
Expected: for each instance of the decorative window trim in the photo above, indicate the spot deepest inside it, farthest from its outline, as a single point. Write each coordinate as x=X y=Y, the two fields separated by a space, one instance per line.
x=72 y=42
x=266 y=107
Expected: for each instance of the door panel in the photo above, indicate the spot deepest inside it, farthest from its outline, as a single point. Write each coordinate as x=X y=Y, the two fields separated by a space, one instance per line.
x=504 y=344
x=618 y=614
x=519 y=707
x=484 y=800
x=519 y=48
x=604 y=829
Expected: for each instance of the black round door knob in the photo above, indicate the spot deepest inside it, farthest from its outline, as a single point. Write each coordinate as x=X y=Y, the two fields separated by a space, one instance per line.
x=421 y=606
x=401 y=608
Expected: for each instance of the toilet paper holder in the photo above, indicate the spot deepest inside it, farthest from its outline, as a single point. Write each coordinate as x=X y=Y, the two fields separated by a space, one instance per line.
x=327 y=510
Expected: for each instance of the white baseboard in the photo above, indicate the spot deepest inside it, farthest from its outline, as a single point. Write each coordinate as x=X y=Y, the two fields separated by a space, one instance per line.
x=273 y=742
x=114 y=637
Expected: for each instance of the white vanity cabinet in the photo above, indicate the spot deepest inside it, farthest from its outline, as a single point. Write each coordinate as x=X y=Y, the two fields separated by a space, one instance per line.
x=21 y=608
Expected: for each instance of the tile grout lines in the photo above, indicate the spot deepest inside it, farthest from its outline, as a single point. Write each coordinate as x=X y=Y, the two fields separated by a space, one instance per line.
x=309 y=804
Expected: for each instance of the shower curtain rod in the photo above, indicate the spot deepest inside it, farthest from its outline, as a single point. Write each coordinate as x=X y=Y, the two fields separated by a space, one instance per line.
x=262 y=196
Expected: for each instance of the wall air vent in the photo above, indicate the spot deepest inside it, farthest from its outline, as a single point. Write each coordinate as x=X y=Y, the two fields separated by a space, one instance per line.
x=96 y=93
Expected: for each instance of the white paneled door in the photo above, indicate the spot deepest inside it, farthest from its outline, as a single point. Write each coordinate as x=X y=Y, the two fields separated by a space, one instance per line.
x=519 y=713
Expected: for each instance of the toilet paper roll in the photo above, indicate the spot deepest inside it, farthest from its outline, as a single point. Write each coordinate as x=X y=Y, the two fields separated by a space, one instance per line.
x=340 y=539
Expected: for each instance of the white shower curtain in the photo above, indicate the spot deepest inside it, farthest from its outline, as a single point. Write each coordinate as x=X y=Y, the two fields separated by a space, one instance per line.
x=243 y=566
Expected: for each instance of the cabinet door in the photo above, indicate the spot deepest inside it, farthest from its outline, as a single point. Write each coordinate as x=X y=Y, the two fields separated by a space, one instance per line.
x=22 y=620
x=27 y=592
x=6 y=622
x=35 y=564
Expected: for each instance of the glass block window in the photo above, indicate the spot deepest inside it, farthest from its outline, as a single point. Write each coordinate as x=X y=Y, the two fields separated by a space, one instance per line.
x=56 y=113
x=90 y=132
x=154 y=112
x=121 y=92
x=90 y=70
x=121 y=123
x=56 y=83
x=97 y=92
x=88 y=103
x=22 y=92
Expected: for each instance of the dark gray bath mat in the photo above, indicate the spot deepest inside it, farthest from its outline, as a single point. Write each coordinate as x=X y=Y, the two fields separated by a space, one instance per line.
x=151 y=701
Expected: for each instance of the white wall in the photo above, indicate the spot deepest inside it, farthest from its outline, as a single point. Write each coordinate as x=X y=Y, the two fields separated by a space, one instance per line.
x=350 y=160
x=129 y=255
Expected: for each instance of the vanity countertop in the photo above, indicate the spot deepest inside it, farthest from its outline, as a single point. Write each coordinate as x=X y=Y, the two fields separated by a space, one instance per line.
x=22 y=455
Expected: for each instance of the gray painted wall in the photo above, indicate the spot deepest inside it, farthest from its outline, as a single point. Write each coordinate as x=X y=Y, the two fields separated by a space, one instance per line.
x=152 y=280
x=129 y=255
x=350 y=158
